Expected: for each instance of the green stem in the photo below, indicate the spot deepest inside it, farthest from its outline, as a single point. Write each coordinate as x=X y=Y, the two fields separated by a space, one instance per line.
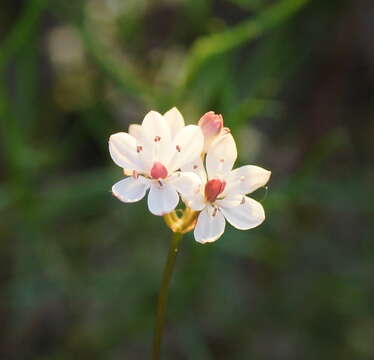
x=163 y=294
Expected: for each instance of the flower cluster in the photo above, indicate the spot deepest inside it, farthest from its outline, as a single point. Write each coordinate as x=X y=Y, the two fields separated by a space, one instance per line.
x=192 y=162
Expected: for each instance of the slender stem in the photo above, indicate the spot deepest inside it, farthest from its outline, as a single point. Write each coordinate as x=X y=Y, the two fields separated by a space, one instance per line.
x=163 y=294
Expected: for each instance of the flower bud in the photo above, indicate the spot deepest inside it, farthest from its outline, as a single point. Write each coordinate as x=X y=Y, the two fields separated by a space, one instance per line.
x=211 y=125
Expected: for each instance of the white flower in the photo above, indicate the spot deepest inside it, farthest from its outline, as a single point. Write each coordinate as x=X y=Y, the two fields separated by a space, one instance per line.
x=222 y=195
x=151 y=154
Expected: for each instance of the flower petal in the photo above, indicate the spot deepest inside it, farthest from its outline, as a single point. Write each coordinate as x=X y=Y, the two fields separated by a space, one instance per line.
x=175 y=121
x=186 y=183
x=196 y=167
x=145 y=148
x=195 y=201
x=122 y=148
x=134 y=130
x=229 y=201
x=247 y=215
x=162 y=199
x=221 y=156
x=210 y=225
x=155 y=125
x=130 y=189
x=246 y=179
x=158 y=145
x=187 y=146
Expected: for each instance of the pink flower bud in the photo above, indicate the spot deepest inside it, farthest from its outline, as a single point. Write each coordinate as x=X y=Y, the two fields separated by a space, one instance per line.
x=213 y=188
x=159 y=171
x=211 y=125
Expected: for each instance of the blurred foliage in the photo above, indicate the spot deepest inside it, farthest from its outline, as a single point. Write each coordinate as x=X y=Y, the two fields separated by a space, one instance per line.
x=294 y=80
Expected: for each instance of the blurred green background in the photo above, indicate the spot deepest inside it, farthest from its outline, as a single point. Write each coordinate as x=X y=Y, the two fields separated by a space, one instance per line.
x=80 y=271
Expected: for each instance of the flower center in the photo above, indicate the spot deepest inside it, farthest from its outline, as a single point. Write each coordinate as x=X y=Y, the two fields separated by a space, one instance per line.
x=213 y=188
x=159 y=171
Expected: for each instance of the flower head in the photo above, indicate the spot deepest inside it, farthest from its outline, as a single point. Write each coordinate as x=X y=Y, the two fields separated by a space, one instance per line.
x=222 y=195
x=151 y=155
x=168 y=158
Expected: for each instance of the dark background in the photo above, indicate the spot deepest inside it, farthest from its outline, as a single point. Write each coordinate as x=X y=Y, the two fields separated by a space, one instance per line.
x=79 y=270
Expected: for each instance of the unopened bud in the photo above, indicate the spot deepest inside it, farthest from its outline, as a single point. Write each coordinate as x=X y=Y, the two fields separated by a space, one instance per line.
x=211 y=125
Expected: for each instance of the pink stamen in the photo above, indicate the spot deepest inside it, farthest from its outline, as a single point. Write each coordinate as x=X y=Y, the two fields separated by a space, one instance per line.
x=213 y=188
x=159 y=171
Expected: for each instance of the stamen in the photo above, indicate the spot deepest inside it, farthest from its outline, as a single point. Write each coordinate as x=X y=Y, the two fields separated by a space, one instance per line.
x=195 y=167
x=157 y=138
x=135 y=174
x=243 y=201
x=139 y=148
x=178 y=148
x=222 y=160
x=215 y=212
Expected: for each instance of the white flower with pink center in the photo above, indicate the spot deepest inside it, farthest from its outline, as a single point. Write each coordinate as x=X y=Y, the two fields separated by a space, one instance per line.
x=151 y=155
x=223 y=191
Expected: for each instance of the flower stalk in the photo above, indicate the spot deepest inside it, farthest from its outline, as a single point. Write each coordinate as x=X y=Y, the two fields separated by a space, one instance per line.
x=163 y=294
x=181 y=221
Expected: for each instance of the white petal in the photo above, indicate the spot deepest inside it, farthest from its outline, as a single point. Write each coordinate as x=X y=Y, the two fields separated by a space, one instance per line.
x=122 y=148
x=246 y=179
x=229 y=201
x=130 y=189
x=210 y=225
x=154 y=125
x=247 y=215
x=145 y=147
x=175 y=121
x=140 y=134
x=162 y=199
x=186 y=183
x=196 y=167
x=134 y=130
x=221 y=156
x=187 y=146
x=158 y=145
x=195 y=201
